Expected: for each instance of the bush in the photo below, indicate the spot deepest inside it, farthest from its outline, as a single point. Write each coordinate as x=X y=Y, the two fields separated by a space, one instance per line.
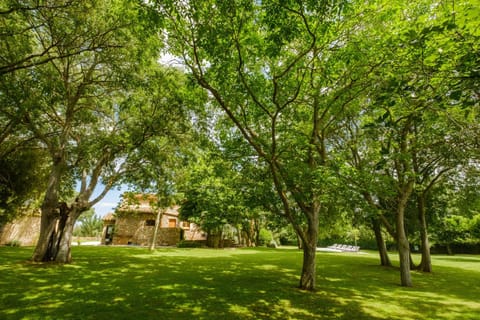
x=189 y=244
x=13 y=243
x=288 y=237
x=265 y=237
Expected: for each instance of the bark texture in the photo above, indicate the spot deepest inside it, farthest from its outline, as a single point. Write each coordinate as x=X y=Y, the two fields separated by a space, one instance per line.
x=426 y=262
x=309 y=240
x=56 y=232
x=403 y=248
x=308 y=277
x=382 y=248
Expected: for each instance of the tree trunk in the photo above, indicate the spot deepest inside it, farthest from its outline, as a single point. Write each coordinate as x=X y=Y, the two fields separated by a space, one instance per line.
x=308 y=278
x=309 y=242
x=63 y=250
x=214 y=240
x=155 y=231
x=412 y=263
x=239 y=234
x=256 y=230
x=48 y=224
x=299 y=242
x=382 y=248
x=426 y=262
x=56 y=228
x=50 y=214
x=403 y=246
x=449 y=250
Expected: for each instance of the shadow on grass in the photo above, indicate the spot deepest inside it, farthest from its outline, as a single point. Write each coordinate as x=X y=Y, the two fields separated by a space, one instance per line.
x=132 y=283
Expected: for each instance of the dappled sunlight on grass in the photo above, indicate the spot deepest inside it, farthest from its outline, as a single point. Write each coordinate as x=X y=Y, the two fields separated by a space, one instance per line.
x=134 y=283
x=451 y=292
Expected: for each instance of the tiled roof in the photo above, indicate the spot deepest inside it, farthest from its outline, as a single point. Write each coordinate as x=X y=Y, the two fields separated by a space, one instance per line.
x=142 y=204
x=109 y=217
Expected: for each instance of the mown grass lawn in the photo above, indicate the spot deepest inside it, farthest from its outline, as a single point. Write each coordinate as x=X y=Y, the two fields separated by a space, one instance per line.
x=132 y=283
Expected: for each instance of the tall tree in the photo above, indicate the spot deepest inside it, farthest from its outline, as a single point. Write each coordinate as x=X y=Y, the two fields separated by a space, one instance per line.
x=92 y=110
x=406 y=138
x=273 y=67
x=213 y=196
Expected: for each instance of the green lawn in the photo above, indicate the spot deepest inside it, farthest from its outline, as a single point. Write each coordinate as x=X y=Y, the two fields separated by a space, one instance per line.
x=132 y=283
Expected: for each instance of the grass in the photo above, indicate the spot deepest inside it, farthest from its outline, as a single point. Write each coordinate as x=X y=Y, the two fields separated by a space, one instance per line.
x=132 y=283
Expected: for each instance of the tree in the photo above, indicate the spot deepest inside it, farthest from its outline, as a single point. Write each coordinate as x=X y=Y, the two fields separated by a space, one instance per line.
x=213 y=197
x=92 y=110
x=406 y=136
x=22 y=181
x=289 y=75
x=272 y=67
x=454 y=205
x=88 y=225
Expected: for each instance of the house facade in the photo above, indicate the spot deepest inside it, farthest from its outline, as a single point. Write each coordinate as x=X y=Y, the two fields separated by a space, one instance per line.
x=134 y=224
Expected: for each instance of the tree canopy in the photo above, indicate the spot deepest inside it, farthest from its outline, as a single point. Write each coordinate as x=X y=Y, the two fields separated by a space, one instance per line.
x=359 y=113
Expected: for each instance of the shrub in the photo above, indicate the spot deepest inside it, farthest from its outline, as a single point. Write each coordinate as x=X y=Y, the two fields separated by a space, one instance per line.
x=189 y=244
x=13 y=243
x=265 y=236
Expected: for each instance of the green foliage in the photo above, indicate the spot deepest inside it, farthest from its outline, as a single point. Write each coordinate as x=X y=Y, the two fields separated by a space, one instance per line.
x=88 y=225
x=265 y=236
x=459 y=229
x=22 y=180
x=332 y=111
x=189 y=244
x=287 y=236
x=212 y=201
x=14 y=243
x=475 y=228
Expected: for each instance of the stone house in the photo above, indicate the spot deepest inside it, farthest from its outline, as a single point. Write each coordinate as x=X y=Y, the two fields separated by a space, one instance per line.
x=134 y=224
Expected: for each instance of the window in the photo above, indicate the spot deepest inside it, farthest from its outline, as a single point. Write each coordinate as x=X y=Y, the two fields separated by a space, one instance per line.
x=150 y=223
x=186 y=225
x=172 y=223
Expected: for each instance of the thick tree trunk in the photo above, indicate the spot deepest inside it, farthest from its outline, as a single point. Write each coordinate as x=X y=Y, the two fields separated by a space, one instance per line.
x=214 y=240
x=382 y=248
x=308 y=278
x=56 y=231
x=449 y=250
x=57 y=218
x=240 y=241
x=63 y=249
x=55 y=238
x=426 y=262
x=310 y=238
x=50 y=213
x=48 y=224
x=256 y=230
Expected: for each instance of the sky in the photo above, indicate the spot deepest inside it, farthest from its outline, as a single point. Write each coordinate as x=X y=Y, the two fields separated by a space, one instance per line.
x=109 y=202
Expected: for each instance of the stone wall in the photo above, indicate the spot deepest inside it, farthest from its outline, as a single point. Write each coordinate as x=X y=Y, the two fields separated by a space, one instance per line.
x=194 y=234
x=24 y=230
x=168 y=236
x=133 y=230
